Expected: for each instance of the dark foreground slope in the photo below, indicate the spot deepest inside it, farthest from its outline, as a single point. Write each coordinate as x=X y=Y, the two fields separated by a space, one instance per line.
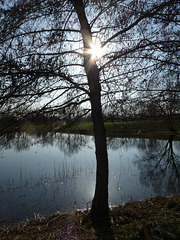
x=156 y=218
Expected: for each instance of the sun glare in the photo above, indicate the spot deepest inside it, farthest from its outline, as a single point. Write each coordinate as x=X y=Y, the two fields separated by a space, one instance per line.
x=96 y=51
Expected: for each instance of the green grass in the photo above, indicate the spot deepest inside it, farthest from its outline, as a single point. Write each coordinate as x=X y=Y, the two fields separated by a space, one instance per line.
x=147 y=125
x=141 y=128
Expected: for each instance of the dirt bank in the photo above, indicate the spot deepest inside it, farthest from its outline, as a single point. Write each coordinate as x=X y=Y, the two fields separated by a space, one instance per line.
x=156 y=218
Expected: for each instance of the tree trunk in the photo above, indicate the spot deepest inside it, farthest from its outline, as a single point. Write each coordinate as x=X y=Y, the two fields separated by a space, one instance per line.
x=100 y=208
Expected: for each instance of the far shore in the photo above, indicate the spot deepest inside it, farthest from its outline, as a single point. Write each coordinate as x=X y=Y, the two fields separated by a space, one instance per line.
x=156 y=129
x=137 y=129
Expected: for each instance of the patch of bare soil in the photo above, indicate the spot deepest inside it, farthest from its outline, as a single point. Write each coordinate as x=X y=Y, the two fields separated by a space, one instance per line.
x=157 y=218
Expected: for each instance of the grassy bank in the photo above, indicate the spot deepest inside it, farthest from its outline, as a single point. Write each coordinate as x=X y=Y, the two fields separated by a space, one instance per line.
x=156 y=218
x=146 y=128
x=141 y=128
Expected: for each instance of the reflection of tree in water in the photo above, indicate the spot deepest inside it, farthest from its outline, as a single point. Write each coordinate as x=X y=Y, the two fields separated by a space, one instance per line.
x=71 y=143
x=68 y=143
x=116 y=143
x=160 y=166
x=126 y=143
x=18 y=141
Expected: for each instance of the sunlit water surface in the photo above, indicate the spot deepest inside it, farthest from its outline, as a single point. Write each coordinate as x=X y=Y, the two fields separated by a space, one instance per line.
x=40 y=175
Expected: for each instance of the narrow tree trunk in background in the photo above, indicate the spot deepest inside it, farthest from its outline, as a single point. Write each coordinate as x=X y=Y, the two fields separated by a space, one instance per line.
x=100 y=209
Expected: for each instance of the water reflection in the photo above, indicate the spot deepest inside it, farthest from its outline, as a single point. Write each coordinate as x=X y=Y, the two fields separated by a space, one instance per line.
x=68 y=143
x=42 y=174
x=71 y=143
x=159 y=165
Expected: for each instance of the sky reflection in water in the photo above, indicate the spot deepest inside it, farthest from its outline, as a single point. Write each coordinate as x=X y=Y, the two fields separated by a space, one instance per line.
x=44 y=174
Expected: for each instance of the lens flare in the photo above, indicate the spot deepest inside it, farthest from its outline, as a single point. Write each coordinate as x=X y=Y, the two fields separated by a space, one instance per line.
x=96 y=51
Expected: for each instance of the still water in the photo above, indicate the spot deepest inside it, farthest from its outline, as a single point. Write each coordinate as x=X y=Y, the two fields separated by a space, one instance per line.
x=43 y=174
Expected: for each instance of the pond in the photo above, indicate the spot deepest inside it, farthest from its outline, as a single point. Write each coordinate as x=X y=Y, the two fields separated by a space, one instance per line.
x=43 y=174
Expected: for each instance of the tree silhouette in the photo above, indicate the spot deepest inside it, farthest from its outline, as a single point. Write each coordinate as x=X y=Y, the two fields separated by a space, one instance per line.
x=46 y=62
x=160 y=166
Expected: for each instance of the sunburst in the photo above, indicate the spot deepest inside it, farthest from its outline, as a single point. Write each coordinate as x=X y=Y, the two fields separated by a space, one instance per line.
x=96 y=51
